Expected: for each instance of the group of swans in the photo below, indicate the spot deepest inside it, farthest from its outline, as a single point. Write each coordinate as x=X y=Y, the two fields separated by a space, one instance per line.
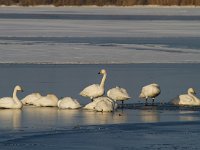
x=36 y=99
x=103 y=103
x=95 y=92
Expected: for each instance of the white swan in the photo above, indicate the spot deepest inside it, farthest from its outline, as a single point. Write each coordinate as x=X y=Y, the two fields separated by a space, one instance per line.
x=29 y=99
x=12 y=102
x=187 y=99
x=118 y=94
x=50 y=100
x=102 y=104
x=150 y=91
x=68 y=103
x=95 y=90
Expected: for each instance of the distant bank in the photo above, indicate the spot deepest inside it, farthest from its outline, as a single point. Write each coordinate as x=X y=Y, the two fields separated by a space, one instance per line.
x=100 y=2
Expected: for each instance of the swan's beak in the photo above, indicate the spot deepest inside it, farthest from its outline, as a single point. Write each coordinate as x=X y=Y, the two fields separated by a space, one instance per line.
x=22 y=90
x=99 y=73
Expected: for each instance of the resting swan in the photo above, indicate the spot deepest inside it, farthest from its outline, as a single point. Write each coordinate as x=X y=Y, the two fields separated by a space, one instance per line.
x=12 y=102
x=150 y=91
x=95 y=90
x=50 y=100
x=29 y=99
x=187 y=99
x=118 y=94
x=102 y=104
x=68 y=103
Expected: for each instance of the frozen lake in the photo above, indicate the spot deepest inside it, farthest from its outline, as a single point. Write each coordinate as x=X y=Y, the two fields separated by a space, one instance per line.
x=89 y=35
x=69 y=45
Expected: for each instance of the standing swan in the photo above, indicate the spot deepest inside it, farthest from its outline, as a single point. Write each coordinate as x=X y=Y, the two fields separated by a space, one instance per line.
x=95 y=90
x=12 y=102
x=187 y=99
x=150 y=91
x=118 y=94
x=68 y=103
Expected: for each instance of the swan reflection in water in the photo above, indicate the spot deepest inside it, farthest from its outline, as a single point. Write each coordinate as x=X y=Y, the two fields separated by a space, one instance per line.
x=92 y=117
x=69 y=116
x=40 y=116
x=87 y=117
x=149 y=116
x=10 y=118
x=188 y=116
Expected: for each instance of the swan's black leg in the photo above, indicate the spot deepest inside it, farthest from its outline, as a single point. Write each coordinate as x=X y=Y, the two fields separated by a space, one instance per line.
x=153 y=101
x=91 y=99
x=146 y=101
x=122 y=104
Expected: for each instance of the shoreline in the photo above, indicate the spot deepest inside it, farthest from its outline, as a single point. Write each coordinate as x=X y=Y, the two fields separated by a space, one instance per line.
x=136 y=63
x=105 y=6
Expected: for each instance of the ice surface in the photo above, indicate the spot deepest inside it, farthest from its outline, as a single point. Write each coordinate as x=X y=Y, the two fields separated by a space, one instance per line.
x=99 y=35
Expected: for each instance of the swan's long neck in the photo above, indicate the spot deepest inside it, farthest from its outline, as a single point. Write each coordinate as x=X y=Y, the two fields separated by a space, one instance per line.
x=17 y=101
x=103 y=81
x=190 y=93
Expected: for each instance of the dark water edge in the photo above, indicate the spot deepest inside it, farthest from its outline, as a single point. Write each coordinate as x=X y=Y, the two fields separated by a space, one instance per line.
x=172 y=42
x=96 y=17
x=69 y=79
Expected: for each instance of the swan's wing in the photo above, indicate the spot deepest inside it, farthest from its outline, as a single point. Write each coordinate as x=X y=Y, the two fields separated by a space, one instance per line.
x=186 y=99
x=30 y=98
x=6 y=102
x=105 y=105
x=93 y=90
x=118 y=94
x=68 y=102
x=150 y=91
x=90 y=106
x=125 y=93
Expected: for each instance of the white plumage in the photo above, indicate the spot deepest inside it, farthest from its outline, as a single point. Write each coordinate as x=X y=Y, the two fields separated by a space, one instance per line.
x=12 y=102
x=50 y=100
x=68 y=103
x=188 y=99
x=118 y=94
x=102 y=104
x=95 y=90
x=150 y=91
x=29 y=99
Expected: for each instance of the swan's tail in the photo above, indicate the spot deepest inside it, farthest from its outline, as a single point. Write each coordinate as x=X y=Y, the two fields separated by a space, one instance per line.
x=141 y=95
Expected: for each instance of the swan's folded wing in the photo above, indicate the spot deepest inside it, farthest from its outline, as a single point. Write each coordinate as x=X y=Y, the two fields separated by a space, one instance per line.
x=185 y=100
x=91 y=90
x=6 y=101
x=118 y=94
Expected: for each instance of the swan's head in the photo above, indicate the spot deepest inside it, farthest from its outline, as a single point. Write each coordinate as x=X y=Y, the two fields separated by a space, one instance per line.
x=191 y=90
x=102 y=71
x=18 y=88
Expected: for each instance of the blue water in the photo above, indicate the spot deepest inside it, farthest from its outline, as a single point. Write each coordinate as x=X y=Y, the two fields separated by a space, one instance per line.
x=69 y=80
